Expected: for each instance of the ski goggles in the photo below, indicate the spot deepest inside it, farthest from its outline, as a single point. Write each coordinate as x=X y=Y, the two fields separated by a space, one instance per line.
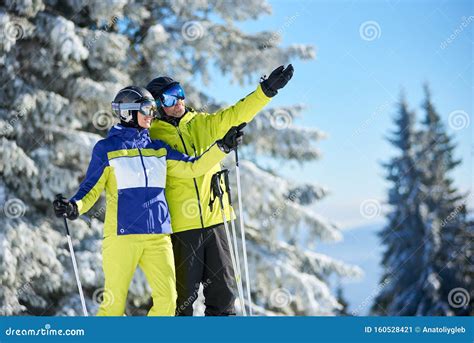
x=147 y=107
x=171 y=96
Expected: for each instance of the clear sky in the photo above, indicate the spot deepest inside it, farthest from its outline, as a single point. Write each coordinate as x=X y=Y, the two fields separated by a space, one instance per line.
x=352 y=86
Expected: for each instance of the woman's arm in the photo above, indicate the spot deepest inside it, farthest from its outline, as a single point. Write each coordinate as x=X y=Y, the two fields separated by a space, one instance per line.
x=95 y=180
x=184 y=166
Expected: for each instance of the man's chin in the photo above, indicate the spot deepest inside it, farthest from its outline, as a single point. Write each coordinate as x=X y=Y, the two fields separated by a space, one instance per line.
x=181 y=111
x=179 y=114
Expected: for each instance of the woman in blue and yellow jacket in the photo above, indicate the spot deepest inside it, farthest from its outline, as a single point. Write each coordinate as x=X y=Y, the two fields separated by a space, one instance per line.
x=132 y=169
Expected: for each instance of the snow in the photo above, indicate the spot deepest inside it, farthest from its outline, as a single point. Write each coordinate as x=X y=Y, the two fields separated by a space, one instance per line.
x=65 y=42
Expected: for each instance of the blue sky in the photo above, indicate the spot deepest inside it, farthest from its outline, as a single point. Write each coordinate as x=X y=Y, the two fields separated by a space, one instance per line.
x=353 y=84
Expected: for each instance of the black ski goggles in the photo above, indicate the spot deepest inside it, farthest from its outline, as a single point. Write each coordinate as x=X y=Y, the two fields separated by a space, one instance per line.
x=147 y=107
x=171 y=96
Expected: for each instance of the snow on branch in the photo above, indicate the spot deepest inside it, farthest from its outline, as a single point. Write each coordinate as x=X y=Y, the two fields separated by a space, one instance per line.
x=273 y=133
x=266 y=201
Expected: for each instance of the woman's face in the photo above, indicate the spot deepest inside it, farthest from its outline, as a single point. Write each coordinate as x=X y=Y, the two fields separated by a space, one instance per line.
x=144 y=121
x=177 y=110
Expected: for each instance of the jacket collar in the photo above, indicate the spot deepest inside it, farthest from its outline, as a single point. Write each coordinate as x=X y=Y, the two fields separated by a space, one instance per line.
x=165 y=124
x=129 y=133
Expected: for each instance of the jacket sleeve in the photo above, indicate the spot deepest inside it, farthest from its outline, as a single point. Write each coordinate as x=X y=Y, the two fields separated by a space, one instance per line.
x=218 y=123
x=95 y=180
x=184 y=166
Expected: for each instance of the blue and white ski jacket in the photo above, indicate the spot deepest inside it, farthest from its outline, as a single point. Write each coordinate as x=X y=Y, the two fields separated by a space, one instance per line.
x=132 y=169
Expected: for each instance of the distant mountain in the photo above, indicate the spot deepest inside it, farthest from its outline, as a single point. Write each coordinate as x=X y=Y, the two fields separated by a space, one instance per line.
x=362 y=247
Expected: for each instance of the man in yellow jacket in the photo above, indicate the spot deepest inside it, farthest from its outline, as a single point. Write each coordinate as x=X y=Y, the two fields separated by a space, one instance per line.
x=201 y=251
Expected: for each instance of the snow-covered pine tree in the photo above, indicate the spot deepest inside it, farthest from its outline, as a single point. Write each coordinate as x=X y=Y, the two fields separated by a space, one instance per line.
x=342 y=300
x=448 y=210
x=421 y=250
x=407 y=256
x=61 y=64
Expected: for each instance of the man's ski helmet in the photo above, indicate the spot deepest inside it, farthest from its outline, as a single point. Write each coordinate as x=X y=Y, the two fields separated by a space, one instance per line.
x=129 y=101
x=157 y=86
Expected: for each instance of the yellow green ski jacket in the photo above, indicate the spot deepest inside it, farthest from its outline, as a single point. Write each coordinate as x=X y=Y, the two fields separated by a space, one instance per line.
x=189 y=199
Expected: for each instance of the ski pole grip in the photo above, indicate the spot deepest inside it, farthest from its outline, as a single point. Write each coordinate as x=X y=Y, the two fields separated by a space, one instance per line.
x=59 y=196
x=236 y=157
x=226 y=179
x=216 y=184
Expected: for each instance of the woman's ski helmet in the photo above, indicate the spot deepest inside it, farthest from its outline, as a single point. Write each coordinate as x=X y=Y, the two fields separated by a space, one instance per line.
x=129 y=101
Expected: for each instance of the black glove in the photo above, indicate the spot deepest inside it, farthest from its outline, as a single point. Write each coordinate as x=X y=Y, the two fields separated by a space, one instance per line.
x=277 y=80
x=232 y=138
x=62 y=207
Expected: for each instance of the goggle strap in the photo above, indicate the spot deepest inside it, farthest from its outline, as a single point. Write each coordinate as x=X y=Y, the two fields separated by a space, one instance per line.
x=127 y=106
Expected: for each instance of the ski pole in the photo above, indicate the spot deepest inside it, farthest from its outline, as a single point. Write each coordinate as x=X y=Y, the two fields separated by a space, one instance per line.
x=217 y=192
x=242 y=230
x=234 y=236
x=74 y=264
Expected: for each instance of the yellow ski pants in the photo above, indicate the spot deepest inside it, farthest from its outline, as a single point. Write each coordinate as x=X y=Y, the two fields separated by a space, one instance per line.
x=121 y=256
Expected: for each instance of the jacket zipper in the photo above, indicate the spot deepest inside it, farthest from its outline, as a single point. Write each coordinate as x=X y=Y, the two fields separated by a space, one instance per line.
x=146 y=192
x=194 y=179
x=144 y=169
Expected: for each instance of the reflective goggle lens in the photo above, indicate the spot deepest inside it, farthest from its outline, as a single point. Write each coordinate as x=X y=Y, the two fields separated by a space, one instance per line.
x=171 y=96
x=148 y=108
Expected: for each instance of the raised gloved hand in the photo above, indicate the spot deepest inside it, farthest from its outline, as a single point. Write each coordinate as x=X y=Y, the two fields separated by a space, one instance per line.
x=64 y=207
x=232 y=138
x=277 y=80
